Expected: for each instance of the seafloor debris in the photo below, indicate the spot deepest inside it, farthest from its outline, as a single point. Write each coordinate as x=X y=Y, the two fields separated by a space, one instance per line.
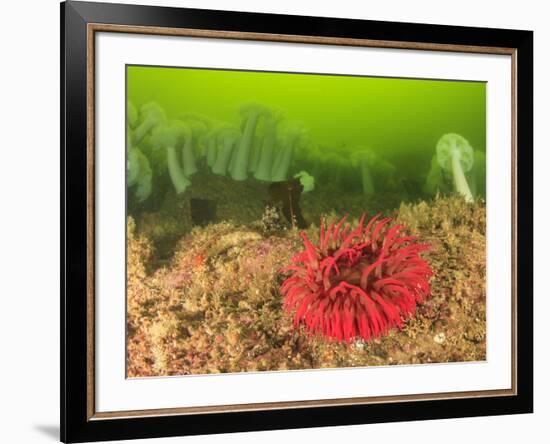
x=271 y=220
x=203 y=211
x=288 y=194
x=216 y=306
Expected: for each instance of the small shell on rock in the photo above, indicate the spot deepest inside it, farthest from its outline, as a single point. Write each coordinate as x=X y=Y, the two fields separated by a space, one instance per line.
x=439 y=338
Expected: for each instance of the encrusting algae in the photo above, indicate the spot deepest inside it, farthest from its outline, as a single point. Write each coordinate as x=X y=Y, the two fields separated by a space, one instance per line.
x=215 y=305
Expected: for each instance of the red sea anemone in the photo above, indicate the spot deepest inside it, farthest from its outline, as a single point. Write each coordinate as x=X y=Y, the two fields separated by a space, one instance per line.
x=356 y=284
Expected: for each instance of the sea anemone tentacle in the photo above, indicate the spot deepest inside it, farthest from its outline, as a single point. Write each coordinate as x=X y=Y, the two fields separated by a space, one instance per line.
x=356 y=283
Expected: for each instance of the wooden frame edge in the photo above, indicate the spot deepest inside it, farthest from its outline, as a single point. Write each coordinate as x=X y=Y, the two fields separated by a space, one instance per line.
x=90 y=220
x=514 y=197
x=292 y=38
x=233 y=408
x=91 y=29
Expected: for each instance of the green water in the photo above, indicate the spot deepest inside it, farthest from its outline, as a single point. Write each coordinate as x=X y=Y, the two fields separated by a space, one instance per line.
x=399 y=120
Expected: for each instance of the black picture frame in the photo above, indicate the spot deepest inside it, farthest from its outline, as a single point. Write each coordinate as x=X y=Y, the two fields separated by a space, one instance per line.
x=76 y=424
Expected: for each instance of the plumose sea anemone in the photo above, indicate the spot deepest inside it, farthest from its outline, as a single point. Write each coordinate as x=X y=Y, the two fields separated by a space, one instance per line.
x=356 y=284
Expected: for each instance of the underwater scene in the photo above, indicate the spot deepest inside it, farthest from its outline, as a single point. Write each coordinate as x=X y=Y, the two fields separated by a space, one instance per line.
x=291 y=221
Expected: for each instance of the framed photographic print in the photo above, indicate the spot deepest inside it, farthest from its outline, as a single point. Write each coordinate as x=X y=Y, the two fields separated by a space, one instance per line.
x=276 y=221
